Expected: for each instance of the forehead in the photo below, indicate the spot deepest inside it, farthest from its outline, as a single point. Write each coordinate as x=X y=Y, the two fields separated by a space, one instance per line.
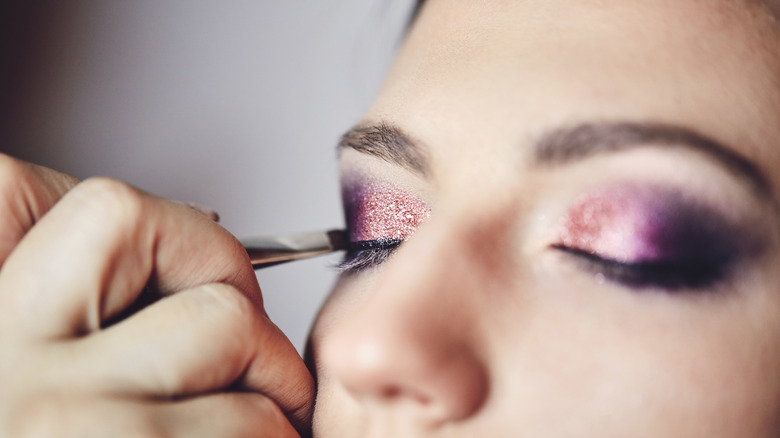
x=491 y=73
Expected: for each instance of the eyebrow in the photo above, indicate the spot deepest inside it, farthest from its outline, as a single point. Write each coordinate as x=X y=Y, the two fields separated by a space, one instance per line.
x=388 y=143
x=565 y=145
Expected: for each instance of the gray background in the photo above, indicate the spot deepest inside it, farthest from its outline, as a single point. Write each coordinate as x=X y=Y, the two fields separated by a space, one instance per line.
x=236 y=105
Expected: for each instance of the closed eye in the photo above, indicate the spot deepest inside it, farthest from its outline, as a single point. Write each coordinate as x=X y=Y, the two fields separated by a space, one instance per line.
x=673 y=274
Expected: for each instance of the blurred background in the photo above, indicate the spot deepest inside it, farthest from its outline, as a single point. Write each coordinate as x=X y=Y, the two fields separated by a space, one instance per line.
x=234 y=105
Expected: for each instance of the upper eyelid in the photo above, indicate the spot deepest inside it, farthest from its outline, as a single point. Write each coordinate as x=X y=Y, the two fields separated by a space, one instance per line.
x=668 y=277
x=656 y=235
x=379 y=210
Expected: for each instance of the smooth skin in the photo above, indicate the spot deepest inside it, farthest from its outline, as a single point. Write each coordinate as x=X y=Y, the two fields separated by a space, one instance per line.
x=477 y=326
x=80 y=358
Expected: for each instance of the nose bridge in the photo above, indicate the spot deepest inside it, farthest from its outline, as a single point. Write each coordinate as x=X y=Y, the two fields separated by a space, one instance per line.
x=416 y=337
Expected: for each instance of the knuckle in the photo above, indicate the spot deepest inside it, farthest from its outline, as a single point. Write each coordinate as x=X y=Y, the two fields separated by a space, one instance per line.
x=112 y=200
x=11 y=170
x=239 y=310
x=15 y=175
x=28 y=191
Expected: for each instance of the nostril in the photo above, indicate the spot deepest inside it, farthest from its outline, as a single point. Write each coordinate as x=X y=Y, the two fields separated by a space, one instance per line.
x=391 y=392
x=395 y=393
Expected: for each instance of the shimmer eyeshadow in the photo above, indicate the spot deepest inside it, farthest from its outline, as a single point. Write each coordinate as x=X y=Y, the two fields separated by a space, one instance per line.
x=377 y=211
x=648 y=225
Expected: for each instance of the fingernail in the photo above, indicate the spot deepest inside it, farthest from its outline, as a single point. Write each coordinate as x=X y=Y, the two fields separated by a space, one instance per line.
x=209 y=213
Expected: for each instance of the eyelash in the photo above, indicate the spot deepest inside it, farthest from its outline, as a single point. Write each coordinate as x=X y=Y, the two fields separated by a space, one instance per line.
x=366 y=254
x=670 y=275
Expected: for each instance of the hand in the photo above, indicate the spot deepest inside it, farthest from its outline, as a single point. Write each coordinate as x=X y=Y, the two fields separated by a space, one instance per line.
x=203 y=361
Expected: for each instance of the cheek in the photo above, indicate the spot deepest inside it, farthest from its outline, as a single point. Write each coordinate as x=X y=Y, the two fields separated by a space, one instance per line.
x=624 y=372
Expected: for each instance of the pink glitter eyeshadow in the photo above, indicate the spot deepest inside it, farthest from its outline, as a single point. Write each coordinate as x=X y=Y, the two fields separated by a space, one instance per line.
x=622 y=224
x=377 y=212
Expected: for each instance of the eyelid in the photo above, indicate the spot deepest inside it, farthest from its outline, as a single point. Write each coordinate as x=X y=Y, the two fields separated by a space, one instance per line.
x=654 y=236
x=379 y=216
x=377 y=210
x=670 y=276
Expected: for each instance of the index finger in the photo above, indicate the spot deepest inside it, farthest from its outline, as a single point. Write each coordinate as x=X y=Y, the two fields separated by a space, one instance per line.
x=96 y=250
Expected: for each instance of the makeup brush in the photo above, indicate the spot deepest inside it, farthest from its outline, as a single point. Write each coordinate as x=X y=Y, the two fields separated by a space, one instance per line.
x=273 y=250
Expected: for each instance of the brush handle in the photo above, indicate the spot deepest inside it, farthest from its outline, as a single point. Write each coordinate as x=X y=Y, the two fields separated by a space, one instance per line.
x=273 y=250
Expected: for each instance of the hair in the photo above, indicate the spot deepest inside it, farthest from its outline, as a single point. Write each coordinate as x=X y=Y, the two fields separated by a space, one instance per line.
x=416 y=11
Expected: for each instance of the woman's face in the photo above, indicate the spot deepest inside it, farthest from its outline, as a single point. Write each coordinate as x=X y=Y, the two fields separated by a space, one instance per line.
x=588 y=190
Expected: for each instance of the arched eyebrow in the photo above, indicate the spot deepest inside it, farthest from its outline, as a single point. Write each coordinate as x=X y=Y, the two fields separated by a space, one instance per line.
x=388 y=143
x=566 y=145
x=575 y=143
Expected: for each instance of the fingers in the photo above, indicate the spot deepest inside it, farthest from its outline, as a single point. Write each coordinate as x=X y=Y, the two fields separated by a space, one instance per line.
x=231 y=415
x=27 y=192
x=92 y=254
x=187 y=344
x=225 y=415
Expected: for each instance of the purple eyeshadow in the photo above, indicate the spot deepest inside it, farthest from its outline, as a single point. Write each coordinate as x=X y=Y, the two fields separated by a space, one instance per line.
x=644 y=225
x=652 y=235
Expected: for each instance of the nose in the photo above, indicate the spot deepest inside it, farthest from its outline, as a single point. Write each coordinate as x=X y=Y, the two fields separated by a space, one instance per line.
x=413 y=340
